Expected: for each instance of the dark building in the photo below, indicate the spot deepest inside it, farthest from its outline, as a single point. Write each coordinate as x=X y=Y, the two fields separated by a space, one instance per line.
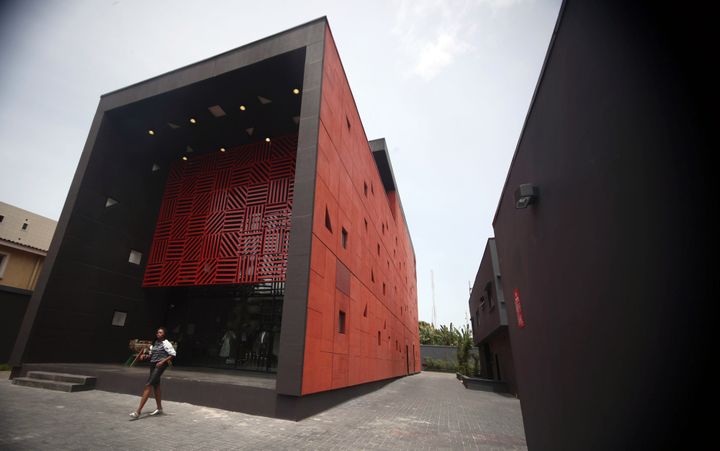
x=489 y=320
x=239 y=202
x=606 y=268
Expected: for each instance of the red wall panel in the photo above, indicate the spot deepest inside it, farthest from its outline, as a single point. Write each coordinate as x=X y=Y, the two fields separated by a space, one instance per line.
x=225 y=217
x=375 y=254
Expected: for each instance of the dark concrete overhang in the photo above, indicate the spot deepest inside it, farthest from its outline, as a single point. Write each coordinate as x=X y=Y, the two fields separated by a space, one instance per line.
x=381 y=155
x=264 y=90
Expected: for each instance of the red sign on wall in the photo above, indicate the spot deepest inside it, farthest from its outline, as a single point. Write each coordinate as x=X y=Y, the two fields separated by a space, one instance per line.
x=518 y=309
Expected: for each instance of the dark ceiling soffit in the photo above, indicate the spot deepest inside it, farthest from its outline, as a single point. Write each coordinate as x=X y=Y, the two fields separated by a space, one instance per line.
x=259 y=50
x=532 y=104
x=387 y=175
x=382 y=161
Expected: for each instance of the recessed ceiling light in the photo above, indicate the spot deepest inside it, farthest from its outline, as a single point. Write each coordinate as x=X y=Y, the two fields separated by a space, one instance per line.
x=184 y=158
x=217 y=111
x=267 y=140
x=296 y=91
x=242 y=107
x=151 y=132
x=222 y=149
x=192 y=120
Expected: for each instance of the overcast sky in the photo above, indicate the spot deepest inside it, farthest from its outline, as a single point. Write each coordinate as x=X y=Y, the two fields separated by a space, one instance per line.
x=448 y=84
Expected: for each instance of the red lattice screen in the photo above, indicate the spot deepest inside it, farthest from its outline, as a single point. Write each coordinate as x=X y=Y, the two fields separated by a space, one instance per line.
x=225 y=217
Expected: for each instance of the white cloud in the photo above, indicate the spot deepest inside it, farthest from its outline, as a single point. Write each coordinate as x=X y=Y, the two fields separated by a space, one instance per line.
x=438 y=54
x=435 y=33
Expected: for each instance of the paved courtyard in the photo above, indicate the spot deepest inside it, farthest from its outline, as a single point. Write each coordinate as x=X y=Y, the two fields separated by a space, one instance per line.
x=425 y=411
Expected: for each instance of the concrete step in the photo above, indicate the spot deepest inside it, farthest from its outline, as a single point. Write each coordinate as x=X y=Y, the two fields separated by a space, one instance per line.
x=63 y=377
x=478 y=383
x=51 y=384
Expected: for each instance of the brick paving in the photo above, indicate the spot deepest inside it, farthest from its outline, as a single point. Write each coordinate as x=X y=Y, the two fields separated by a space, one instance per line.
x=428 y=411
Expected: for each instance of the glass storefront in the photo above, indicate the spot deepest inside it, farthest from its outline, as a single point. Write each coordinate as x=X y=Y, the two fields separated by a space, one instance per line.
x=231 y=327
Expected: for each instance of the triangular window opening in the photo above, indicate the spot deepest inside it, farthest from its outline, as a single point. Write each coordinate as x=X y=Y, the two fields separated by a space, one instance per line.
x=328 y=224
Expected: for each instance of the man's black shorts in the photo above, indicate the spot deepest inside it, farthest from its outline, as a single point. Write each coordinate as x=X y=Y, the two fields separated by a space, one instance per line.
x=155 y=373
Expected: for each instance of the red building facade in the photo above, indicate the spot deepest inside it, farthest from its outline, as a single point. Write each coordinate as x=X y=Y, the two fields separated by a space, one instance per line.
x=362 y=260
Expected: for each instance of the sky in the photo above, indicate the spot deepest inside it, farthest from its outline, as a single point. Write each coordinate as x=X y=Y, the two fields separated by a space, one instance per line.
x=446 y=83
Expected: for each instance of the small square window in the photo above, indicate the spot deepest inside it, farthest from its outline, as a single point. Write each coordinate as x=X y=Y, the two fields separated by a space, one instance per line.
x=119 y=318
x=488 y=294
x=25 y=226
x=135 y=257
x=3 y=217
x=341 y=322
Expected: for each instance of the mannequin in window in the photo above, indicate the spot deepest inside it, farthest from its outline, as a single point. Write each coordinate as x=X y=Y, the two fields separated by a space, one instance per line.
x=228 y=342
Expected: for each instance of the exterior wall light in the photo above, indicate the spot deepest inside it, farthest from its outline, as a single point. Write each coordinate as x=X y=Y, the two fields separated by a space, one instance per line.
x=526 y=194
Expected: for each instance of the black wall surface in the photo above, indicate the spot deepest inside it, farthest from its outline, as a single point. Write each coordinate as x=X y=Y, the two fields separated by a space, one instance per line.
x=501 y=356
x=13 y=303
x=487 y=319
x=91 y=276
x=610 y=264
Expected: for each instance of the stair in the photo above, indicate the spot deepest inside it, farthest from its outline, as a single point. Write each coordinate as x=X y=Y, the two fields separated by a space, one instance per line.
x=56 y=381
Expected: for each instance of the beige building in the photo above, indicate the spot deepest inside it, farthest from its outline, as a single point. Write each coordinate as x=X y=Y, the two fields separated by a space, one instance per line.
x=24 y=241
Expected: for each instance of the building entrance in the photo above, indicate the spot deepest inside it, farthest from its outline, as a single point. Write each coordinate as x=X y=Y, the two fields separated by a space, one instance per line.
x=235 y=327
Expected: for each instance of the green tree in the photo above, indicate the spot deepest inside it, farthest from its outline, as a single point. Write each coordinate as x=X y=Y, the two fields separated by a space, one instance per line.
x=464 y=346
x=427 y=332
x=429 y=335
